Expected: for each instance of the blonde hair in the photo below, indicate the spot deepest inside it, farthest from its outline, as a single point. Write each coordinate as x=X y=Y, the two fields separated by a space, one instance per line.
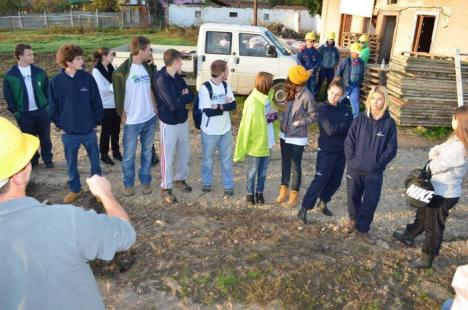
x=461 y=115
x=379 y=89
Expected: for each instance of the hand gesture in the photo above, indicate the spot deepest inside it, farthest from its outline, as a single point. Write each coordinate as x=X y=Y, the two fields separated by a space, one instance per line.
x=99 y=186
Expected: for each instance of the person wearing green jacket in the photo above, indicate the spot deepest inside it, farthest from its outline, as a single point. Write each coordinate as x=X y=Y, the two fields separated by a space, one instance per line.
x=365 y=49
x=258 y=132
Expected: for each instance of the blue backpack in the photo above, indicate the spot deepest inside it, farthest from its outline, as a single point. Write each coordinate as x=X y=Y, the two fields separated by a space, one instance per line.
x=196 y=112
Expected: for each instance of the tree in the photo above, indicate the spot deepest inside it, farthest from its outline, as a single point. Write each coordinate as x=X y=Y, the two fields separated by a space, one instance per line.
x=103 y=5
x=39 y=6
x=314 y=6
x=8 y=7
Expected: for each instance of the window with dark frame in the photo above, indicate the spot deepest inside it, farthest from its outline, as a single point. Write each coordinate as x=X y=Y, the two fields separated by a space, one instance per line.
x=197 y=13
x=218 y=42
x=266 y=16
x=232 y=14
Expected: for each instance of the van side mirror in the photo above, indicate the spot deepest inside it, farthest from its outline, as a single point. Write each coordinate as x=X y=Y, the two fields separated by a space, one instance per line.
x=271 y=51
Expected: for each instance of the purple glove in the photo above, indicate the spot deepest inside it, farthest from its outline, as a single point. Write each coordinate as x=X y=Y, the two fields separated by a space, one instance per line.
x=271 y=117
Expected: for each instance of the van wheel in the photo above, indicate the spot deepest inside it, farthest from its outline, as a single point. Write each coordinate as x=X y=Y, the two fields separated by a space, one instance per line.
x=280 y=92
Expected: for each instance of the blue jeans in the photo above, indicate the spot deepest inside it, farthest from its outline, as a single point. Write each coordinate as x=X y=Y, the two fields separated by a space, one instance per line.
x=144 y=131
x=353 y=93
x=447 y=305
x=224 y=145
x=256 y=168
x=71 y=144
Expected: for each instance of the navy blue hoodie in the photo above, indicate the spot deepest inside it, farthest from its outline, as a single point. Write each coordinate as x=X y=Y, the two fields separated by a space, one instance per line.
x=371 y=144
x=334 y=123
x=169 y=99
x=75 y=105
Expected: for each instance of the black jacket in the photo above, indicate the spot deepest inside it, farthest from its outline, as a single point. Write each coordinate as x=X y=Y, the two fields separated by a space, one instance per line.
x=334 y=123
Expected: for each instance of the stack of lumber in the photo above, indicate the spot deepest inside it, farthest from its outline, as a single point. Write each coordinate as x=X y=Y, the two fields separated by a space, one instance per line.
x=349 y=38
x=422 y=89
x=375 y=75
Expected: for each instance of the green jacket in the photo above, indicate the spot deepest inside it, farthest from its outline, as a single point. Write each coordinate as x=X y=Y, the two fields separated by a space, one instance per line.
x=252 y=138
x=365 y=53
x=119 y=82
x=15 y=92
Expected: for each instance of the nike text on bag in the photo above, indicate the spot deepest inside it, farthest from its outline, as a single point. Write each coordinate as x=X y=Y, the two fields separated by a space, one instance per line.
x=196 y=112
x=419 y=189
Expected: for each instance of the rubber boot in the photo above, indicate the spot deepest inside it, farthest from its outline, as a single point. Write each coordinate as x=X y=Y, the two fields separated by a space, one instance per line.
x=283 y=194
x=302 y=215
x=402 y=236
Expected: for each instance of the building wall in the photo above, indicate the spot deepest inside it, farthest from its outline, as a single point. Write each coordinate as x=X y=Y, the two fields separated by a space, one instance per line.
x=450 y=26
x=331 y=18
x=186 y=16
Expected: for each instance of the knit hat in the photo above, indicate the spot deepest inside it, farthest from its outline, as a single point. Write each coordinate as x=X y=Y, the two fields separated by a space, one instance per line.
x=298 y=74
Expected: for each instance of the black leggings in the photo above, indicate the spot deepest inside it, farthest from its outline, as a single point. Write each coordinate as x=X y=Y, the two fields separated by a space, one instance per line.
x=431 y=219
x=291 y=153
x=110 y=131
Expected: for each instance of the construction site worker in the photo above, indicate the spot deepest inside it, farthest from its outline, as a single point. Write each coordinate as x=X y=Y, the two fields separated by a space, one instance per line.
x=330 y=59
x=25 y=89
x=309 y=57
x=46 y=249
x=351 y=71
x=365 y=50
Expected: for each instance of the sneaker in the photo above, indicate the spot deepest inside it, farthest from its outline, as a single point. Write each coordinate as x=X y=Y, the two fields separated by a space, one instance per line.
x=228 y=192
x=365 y=237
x=168 y=196
x=49 y=165
x=206 y=188
x=181 y=184
x=71 y=197
x=146 y=189
x=117 y=156
x=128 y=191
x=349 y=226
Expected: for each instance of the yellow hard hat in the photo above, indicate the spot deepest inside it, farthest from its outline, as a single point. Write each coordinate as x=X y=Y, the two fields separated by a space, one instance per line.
x=298 y=74
x=355 y=48
x=331 y=36
x=310 y=36
x=16 y=149
x=364 y=38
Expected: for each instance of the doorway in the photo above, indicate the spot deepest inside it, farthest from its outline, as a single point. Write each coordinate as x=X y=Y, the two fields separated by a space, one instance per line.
x=386 y=42
x=423 y=33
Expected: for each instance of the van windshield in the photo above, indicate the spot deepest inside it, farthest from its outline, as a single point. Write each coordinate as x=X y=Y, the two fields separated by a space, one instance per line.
x=279 y=45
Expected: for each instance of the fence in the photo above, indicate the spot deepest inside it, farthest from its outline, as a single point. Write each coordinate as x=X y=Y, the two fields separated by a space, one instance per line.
x=127 y=18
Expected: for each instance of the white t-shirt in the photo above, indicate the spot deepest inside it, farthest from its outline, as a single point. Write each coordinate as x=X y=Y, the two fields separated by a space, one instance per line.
x=26 y=73
x=138 y=104
x=294 y=140
x=217 y=125
x=105 y=90
x=270 y=128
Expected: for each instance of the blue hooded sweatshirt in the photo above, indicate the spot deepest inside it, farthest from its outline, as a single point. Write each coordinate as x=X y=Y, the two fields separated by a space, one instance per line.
x=169 y=99
x=371 y=144
x=334 y=123
x=75 y=105
x=309 y=58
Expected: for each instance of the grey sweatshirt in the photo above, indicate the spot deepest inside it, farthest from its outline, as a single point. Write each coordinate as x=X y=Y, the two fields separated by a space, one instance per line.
x=449 y=164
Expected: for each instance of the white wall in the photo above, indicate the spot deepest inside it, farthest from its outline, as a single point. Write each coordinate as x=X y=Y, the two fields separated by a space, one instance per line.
x=299 y=20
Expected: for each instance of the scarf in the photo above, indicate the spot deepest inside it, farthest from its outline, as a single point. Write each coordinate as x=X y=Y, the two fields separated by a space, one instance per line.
x=107 y=73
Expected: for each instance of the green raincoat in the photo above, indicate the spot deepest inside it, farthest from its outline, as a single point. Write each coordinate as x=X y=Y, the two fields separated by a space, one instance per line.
x=365 y=53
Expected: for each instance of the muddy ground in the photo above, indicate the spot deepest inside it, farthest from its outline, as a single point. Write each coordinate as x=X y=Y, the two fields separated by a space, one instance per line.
x=208 y=252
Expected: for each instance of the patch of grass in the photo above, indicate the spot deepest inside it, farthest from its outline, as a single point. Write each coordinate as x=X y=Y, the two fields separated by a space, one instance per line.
x=48 y=41
x=372 y=306
x=434 y=133
x=227 y=282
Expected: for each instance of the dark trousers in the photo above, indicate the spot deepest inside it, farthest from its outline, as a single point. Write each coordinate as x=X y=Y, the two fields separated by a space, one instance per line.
x=431 y=219
x=37 y=123
x=328 y=174
x=324 y=74
x=291 y=153
x=363 y=196
x=71 y=144
x=110 y=130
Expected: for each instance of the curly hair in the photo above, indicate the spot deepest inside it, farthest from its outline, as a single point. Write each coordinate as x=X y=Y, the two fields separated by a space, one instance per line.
x=291 y=89
x=67 y=53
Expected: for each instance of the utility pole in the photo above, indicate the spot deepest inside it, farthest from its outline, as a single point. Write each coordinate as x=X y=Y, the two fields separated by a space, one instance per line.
x=255 y=12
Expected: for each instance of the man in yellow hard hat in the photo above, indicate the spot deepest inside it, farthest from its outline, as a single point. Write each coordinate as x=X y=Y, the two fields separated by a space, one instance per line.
x=330 y=59
x=45 y=250
x=365 y=50
x=351 y=71
x=309 y=57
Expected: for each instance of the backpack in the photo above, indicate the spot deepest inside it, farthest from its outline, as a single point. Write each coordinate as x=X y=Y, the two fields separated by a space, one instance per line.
x=196 y=112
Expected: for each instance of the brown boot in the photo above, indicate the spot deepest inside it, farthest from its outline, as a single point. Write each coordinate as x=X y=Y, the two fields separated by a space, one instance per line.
x=283 y=194
x=349 y=226
x=71 y=197
x=293 y=197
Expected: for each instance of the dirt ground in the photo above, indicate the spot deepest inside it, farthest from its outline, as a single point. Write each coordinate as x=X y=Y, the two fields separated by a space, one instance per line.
x=208 y=252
